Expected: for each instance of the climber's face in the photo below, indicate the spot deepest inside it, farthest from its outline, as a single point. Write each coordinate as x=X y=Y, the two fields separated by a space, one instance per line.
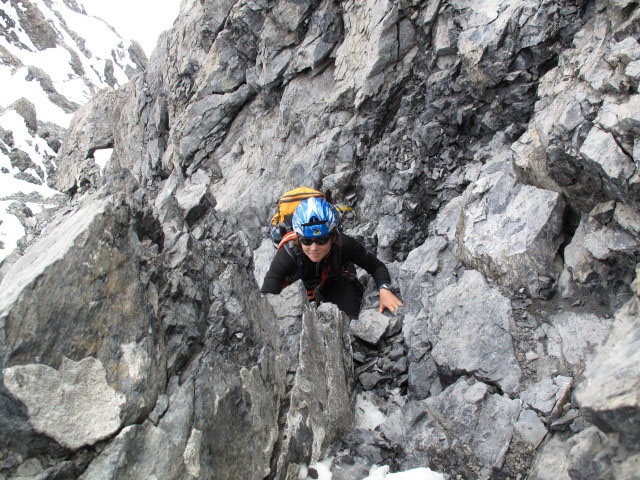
x=316 y=252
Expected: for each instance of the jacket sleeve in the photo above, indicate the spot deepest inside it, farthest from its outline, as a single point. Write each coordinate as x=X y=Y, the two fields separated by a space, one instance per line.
x=282 y=266
x=354 y=251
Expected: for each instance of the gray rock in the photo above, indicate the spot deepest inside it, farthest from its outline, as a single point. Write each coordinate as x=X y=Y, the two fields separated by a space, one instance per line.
x=110 y=320
x=566 y=421
x=395 y=325
x=370 y=326
x=400 y=366
x=76 y=166
x=322 y=397
x=588 y=456
x=445 y=36
x=605 y=395
x=596 y=256
x=493 y=433
x=420 y=270
x=192 y=194
x=530 y=428
x=628 y=218
x=551 y=463
x=564 y=118
x=27 y=110
x=106 y=464
x=369 y=52
x=545 y=395
x=370 y=379
x=348 y=471
x=474 y=322
x=396 y=107
x=148 y=450
x=396 y=353
x=494 y=238
x=601 y=149
x=30 y=468
x=191 y=454
x=153 y=450
x=205 y=121
x=462 y=416
x=580 y=334
x=74 y=405
x=159 y=410
x=246 y=403
x=447 y=221
x=422 y=376
x=427 y=270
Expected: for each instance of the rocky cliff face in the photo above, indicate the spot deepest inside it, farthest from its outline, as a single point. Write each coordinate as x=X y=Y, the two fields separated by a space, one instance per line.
x=490 y=153
x=53 y=59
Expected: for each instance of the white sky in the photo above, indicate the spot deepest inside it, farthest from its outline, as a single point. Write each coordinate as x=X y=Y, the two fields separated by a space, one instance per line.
x=141 y=20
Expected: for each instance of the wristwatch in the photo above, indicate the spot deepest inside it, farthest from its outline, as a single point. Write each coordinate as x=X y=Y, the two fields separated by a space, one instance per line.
x=387 y=286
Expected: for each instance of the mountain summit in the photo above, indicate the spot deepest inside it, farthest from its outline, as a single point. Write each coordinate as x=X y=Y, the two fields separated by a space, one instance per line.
x=53 y=59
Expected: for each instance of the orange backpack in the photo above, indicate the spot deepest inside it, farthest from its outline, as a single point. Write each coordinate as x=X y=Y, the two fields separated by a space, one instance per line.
x=289 y=201
x=281 y=228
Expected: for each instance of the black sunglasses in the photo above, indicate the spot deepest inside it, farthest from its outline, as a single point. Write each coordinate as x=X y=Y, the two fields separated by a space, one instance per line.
x=320 y=240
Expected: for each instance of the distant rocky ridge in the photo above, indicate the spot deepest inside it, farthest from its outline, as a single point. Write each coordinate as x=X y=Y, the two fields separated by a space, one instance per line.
x=490 y=153
x=53 y=59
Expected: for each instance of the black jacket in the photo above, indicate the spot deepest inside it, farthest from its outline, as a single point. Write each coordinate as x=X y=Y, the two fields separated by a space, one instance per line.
x=285 y=269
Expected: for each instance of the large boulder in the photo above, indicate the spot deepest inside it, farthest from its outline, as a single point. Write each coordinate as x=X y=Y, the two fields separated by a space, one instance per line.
x=159 y=449
x=53 y=331
x=608 y=393
x=600 y=259
x=494 y=237
x=464 y=417
x=322 y=396
x=427 y=271
x=472 y=325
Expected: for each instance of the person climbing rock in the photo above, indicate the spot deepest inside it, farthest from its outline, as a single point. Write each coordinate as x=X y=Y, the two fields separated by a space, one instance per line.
x=317 y=252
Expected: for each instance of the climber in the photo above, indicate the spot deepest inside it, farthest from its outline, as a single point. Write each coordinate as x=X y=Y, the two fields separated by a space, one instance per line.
x=323 y=257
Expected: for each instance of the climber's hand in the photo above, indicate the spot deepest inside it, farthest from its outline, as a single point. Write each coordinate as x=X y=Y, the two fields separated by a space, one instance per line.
x=389 y=301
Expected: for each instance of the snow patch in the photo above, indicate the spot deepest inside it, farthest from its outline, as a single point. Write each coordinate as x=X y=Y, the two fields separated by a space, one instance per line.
x=382 y=473
x=35 y=147
x=322 y=468
x=102 y=157
x=10 y=186
x=16 y=86
x=368 y=416
x=36 y=208
x=100 y=40
x=21 y=35
x=11 y=230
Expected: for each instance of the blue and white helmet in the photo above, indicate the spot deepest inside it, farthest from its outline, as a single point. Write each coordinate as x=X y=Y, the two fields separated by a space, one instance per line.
x=315 y=217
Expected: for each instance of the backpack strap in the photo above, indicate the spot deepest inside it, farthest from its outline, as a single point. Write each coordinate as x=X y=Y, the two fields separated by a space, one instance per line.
x=287 y=238
x=295 y=253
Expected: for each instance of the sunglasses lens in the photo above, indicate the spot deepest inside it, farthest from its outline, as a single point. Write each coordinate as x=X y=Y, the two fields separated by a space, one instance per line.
x=319 y=241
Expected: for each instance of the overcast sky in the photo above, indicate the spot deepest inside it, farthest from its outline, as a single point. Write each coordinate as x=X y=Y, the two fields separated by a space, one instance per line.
x=140 y=20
